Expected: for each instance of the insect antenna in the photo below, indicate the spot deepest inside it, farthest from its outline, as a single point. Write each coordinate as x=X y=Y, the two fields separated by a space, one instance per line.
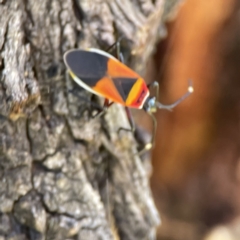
x=169 y=107
x=151 y=106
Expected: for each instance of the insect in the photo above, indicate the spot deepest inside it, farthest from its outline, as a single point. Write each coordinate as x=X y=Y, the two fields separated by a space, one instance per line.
x=102 y=74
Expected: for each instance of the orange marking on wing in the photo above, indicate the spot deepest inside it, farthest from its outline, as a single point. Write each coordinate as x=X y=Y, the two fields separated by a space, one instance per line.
x=137 y=94
x=118 y=69
x=106 y=88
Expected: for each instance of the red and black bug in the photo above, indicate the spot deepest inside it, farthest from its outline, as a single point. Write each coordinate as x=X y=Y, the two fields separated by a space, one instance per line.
x=104 y=75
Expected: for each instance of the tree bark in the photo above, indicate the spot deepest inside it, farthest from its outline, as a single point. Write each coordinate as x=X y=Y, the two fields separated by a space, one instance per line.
x=65 y=175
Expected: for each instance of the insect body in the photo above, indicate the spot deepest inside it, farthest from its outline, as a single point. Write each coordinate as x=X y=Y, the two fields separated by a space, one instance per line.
x=104 y=75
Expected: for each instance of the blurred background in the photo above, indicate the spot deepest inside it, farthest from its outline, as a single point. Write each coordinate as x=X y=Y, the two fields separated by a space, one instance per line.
x=196 y=161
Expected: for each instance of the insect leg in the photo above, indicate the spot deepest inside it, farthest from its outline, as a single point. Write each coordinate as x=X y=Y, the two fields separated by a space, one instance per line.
x=131 y=122
x=106 y=105
x=100 y=109
x=117 y=45
x=151 y=144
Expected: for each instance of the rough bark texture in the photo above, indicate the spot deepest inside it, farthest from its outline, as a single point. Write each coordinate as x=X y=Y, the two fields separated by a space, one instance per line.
x=65 y=175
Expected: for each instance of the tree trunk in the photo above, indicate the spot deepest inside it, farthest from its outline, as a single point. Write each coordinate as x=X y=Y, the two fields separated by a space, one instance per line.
x=65 y=175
